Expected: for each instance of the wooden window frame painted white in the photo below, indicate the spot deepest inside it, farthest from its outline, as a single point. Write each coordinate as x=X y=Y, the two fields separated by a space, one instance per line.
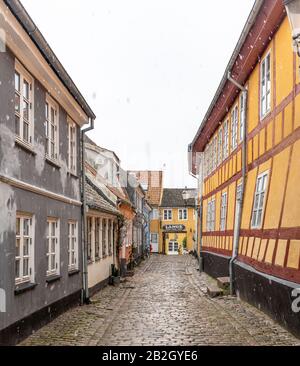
x=89 y=234
x=97 y=236
x=242 y=116
x=73 y=256
x=24 y=75
x=220 y=146
x=215 y=152
x=29 y=254
x=53 y=252
x=169 y=217
x=226 y=139
x=72 y=146
x=223 y=213
x=265 y=85
x=181 y=216
x=211 y=215
x=259 y=200
x=155 y=214
x=51 y=139
x=234 y=127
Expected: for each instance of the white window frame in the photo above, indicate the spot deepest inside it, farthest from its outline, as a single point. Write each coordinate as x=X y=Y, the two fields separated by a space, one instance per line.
x=19 y=113
x=265 y=85
x=242 y=116
x=53 y=252
x=223 y=213
x=183 y=214
x=155 y=214
x=72 y=146
x=220 y=146
x=211 y=215
x=51 y=140
x=226 y=139
x=168 y=212
x=259 y=200
x=73 y=245
x=234 y=127
x=20 y=256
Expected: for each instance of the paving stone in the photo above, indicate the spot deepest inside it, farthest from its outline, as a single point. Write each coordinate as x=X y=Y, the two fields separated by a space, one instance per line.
x=164 y=303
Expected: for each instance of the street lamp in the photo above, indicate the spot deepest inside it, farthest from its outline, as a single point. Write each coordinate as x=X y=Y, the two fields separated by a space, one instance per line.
x=293 y=12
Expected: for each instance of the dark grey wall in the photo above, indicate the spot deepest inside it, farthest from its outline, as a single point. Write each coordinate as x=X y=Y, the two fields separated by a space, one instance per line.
x=33 y=169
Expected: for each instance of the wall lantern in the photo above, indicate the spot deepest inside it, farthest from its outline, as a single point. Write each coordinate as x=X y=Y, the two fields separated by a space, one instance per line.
x=293 y=12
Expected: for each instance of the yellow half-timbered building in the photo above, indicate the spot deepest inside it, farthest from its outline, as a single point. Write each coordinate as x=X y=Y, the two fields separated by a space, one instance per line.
x=246 y=154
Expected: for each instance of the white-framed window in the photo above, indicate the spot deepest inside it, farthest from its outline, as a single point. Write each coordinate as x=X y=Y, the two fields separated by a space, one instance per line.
x=242 y=115
x=239 y=192
x=89 y=227
x=24 y=259
x=110 y=237
x=206 y=161
x=226 y=140
x=72 y=146
x=73 y=245
x=223 y=211
x=154 y=238
x=167 y=214
x=265 y=85
x=234 y=128
x=154 y=214
x=104 y=237
x=215 y=152
x=211 y=215
x=220 y=147
x=97 y=236
x=51 y=128
x=259 y=198
x=182 y=214
x=53 y=246
x=23 y=104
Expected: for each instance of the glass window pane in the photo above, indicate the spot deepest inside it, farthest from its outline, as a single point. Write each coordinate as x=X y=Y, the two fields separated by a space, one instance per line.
x=25 y=131
x=17 y=268
x=17 y=125
x=25 y=110
x=25 y=267
x=17 y=81
x=17 y=247
x=25 y=89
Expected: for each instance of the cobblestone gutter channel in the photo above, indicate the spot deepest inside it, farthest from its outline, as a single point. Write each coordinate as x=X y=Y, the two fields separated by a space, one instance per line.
x=165 y=303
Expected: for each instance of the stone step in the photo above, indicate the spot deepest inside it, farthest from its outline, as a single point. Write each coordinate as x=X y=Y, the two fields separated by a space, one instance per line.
x=213 y=291
x=223 y=283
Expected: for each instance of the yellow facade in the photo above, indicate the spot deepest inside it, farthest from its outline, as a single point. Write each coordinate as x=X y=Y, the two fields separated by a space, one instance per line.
x=188 y=234
x=273 y=148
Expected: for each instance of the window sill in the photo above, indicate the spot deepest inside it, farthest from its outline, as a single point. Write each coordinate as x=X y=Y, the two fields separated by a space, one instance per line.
x=52 y=162
x=266 y=115
x=73 y=175
x=25 y=146
x=53 y=278
x=73 y=272
x=24 y=287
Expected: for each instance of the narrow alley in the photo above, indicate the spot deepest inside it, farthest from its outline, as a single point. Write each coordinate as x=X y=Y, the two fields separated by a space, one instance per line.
x=164 y=303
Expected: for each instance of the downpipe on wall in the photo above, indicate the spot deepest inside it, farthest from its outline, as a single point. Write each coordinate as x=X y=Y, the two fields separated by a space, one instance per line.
x=85 y=297
x=240 y=200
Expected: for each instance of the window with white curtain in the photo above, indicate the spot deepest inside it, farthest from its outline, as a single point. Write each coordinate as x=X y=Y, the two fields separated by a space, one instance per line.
x=265 y=85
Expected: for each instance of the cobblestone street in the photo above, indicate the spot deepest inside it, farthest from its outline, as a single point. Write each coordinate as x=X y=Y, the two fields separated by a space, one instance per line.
x=163 y=304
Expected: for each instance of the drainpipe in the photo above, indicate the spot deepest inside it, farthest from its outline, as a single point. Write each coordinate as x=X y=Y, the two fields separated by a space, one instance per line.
x=240 y=201
x=85 y=299
x=200 y=213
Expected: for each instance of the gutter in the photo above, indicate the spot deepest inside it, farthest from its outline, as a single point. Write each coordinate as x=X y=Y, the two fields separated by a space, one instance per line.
x=38 y=39
x=250 y=21
x=85 y=298
x=240 y=201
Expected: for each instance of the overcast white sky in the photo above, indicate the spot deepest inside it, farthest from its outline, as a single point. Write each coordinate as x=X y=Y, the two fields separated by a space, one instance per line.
x=148 y=68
